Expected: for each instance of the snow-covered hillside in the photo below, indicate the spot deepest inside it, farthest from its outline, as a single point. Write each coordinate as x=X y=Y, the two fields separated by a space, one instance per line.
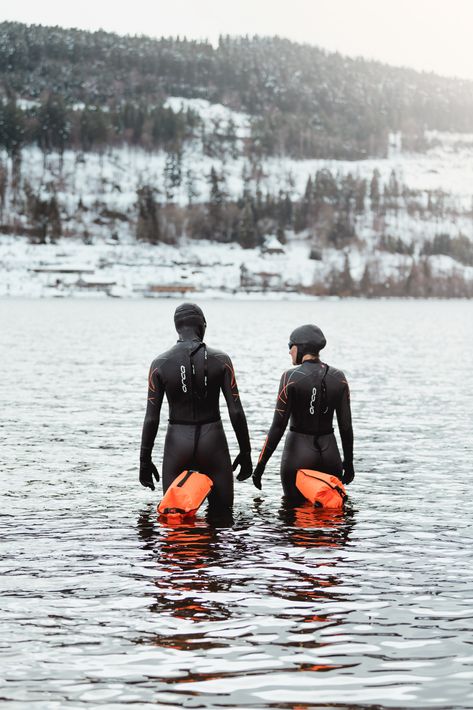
x=97 y=195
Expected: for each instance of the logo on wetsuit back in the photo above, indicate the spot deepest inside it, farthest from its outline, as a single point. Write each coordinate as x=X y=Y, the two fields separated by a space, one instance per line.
x=312 y=400
x=183 y=378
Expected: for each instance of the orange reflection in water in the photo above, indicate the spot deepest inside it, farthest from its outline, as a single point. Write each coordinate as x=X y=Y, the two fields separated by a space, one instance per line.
x=316 y=527
x=308 y=527
x=184 y=549
x=183 y=552
x=187 y=541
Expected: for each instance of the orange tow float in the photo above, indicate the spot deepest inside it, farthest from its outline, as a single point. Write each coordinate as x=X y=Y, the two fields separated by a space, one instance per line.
x=185 y=495
x=322 y=489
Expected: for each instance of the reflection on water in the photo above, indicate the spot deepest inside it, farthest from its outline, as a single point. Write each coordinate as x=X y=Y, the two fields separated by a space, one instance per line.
x=309 y=527
x=185 y=551
x=275 y=607
x=182 y=552
x=188 y=555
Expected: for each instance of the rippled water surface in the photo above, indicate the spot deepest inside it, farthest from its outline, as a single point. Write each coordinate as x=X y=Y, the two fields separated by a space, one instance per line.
x=104 y=606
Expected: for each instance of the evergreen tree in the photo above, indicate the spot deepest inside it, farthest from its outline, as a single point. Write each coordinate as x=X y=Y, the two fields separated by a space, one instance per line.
x=148 y=226
x=53 y=128
x=360 y=196
x=366 y=284
x=393 y=185
x=131 y=120
x=247 y=232
x=347 y=283
x=302 y=210
x=172 y=173
x=43 y=214
x=375 y=190
x=3 y=187
x=94 y=127
x=12 y=128
x=342 y=232
x=232 y=138
x=284 y=210
x=325 y=187
x=340 y=283
x=216 y=202
x=281 y=235
x=54 y=219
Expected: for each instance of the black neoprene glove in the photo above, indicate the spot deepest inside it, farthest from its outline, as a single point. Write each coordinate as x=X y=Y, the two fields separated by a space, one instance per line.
x=147 y=471
x=257 y=474
x=246 y=467
x=348 y=472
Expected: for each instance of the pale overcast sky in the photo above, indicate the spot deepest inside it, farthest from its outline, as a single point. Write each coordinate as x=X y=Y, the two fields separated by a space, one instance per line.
x=435 y=35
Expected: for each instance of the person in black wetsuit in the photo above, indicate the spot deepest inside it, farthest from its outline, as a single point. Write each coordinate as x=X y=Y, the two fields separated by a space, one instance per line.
x=309 y=394
x=192 y=375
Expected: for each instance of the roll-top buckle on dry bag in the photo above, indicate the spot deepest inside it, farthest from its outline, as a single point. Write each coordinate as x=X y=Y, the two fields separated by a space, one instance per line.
x=186 y=494
x=322 y=489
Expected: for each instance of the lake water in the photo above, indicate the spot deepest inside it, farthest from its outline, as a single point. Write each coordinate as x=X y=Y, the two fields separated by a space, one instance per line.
x=104 y=606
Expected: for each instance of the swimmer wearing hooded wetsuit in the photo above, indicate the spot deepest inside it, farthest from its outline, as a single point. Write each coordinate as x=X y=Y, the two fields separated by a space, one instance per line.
x=309 y=395
x=192 y=376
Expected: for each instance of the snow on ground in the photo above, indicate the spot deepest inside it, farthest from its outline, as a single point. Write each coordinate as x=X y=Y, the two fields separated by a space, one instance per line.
x=110 y=181
x=213 y=116
x=90 y=185
x=71 y=268
x=115 y=175
x=26 y=104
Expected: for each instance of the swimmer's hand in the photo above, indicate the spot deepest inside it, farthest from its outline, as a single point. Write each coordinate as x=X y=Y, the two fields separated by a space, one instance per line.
x=147 y=471
x=246 y=467
x=348 y=472
x=257 y=475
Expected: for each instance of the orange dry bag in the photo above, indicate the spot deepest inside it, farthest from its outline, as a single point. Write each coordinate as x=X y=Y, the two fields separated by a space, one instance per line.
x=185 y=494
x=321 y=489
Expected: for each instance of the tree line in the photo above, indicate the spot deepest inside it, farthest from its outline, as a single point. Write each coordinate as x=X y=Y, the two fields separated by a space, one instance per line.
x=328 y=213
x=54 y=126
x=304 y=101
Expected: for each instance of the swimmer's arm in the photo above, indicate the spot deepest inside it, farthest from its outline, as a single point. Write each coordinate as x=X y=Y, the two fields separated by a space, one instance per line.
x=280 y=419
x=344 y=423
x=235 y=407
x=153 y=411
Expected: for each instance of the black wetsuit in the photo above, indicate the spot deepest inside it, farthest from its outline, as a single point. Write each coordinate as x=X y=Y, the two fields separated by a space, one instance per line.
x=309 y=394
x=192 y=375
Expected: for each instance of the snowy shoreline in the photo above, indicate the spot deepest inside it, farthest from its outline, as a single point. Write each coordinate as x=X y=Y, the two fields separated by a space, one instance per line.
x=71 y=269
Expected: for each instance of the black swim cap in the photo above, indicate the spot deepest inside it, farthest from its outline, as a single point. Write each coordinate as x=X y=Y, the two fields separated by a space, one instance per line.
x=309 y=340
x=189 y=314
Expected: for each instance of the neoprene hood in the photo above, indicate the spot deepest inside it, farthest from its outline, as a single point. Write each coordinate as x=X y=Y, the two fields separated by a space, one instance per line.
x=309 y=340
x=189 y=315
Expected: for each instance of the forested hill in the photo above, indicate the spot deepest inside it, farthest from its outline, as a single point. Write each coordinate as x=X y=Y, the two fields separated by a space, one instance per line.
x=304 y=102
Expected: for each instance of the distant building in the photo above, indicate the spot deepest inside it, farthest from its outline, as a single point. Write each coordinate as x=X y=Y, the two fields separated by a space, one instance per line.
x=157 y=290
x=272 y=246
x=260 y=280
x=92 y=284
